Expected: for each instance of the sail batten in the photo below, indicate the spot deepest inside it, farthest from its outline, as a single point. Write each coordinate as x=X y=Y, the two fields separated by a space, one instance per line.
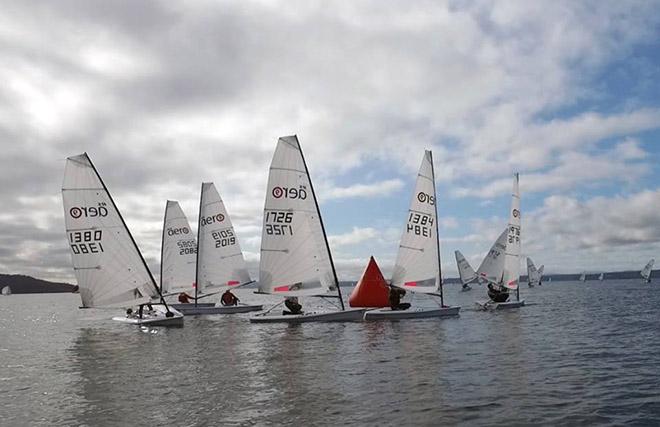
x=417 y=264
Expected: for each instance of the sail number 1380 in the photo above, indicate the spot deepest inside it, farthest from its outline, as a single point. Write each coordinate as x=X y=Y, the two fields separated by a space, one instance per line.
x=278 y=223
x=86 y=242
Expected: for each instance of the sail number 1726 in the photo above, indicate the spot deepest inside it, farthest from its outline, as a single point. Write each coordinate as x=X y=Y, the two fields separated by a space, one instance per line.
x=278 y=223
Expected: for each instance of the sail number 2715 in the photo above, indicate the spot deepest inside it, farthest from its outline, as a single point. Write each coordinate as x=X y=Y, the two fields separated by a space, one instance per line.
x=278 y=223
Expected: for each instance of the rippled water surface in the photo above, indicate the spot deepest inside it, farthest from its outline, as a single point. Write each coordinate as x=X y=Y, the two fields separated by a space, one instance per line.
x=577 y=354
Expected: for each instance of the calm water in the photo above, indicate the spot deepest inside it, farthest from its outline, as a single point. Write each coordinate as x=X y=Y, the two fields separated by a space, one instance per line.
x=583 y=354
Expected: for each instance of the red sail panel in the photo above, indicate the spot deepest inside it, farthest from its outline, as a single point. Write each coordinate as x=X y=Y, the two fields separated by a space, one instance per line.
x=371 y=290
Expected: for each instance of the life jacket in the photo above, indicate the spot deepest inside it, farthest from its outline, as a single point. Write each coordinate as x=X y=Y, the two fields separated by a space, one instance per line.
x=228 y=299
x=184 y=298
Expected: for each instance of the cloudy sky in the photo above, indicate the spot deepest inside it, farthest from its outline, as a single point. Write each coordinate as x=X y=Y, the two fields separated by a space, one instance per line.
x=164 y=95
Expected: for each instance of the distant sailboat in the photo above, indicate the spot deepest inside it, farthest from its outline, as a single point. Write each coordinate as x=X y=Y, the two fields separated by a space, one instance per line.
x=295 y=255
x=601 y=276
x=220 y=263
x=503 y=272
x=108 y=265
x=465 y=271
x=583 y=277
x=533 y=275
x=371 y=291
x=6 y=291
x=417 y=266
x=646 y=272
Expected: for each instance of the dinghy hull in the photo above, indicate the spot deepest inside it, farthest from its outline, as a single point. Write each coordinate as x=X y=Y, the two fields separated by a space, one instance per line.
x=157 y=318
x=350 y=315
x=235 y=309
x=489 y=305
x=180 y=306
x=412 y=313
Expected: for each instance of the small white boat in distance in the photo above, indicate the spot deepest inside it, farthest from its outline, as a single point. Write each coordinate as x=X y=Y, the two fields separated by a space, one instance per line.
x=533 y=275
x=108 y=265
x=417 y=267
x=6 y=291
x=295 y=255
x=601 y=277
x=583 y=277
x=503 y=273
x=646 y=272
x=465 y=271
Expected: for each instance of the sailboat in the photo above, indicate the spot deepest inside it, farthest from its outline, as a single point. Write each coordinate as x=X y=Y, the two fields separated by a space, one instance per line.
x=178 y=254
x=371 y=291
x=109 y=268
x=465 y=271
x=6 y=291
x=503 y=272
x=220 y=262
x=646 y=272
x=601 y=276
x=295 y=255
x=417 y=266
x=583 y=277
x=533 y=274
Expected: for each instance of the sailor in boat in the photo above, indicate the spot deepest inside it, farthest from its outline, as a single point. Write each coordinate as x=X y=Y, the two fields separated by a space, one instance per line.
x=228 y=298
x=466 y=287
x=293 y=305
x=184 y=298
x=497 y=294
x=395 y=299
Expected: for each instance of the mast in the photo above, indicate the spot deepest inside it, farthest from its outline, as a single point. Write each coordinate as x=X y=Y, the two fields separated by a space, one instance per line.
x=162 y=244
x=199 y=228
x=437 y=234
x=153 y=281
x=325 y=237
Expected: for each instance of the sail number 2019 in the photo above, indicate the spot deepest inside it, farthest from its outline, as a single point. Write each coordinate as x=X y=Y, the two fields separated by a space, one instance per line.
x=86 y=242
x=278 y=223
x=420 y=224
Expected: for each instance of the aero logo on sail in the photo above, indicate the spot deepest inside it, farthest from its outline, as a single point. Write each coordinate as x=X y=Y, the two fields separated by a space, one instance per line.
x=290 y=193
x=212 y=219
x=91 y=212
x=177 y=231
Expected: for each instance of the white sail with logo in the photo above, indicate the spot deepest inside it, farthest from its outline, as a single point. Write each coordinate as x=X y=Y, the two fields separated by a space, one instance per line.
x=646 y=272
x=465 y=270
x=511 y=275
x=417 y=265
x=220 y=262
x=492 y=267
x=107 y=263
x=178 y=251
x=295 y=258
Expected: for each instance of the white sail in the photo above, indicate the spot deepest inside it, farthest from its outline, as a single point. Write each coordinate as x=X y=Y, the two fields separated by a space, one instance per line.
x=6 y=290
x=178 y=251
x=583 y=277
x=533 y=275
x=465 y=270
x=539 y=272
x=107 y=263
x=295 y=258
x=220 y=262
x=601 y=277
x=646 y=272
x=511 y=275
x=417 y=265
x=492 y=267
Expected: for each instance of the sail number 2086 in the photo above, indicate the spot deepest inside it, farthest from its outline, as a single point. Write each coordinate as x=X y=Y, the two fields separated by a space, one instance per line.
x=86 y=242
x=279 y=223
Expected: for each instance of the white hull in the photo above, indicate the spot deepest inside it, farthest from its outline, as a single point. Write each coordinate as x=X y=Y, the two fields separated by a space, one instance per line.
x=350 y=315
x=187 y=311
x=411 y=313
x=156 y=318
x=489 y=305
x=181 y=306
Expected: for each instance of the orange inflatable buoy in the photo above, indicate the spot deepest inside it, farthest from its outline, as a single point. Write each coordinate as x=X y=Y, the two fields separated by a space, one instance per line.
x=371 y=290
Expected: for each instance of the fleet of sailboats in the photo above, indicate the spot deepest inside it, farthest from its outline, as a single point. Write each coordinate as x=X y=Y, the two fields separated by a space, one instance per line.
x=295 y=261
